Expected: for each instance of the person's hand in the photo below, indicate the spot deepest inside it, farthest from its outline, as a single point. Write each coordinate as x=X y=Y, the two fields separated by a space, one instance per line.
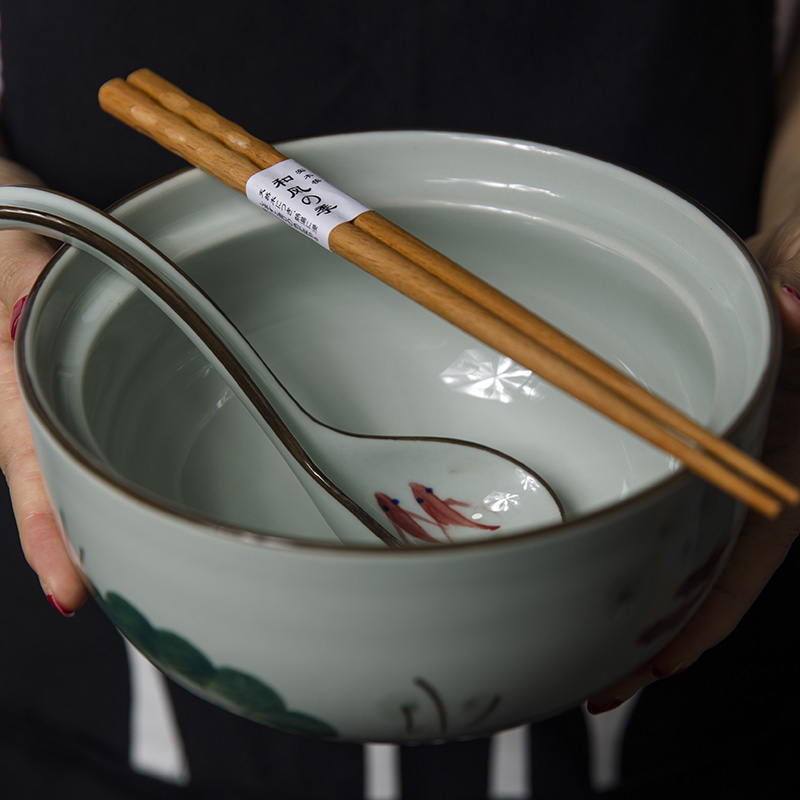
x=762 y=544
x=22 y=257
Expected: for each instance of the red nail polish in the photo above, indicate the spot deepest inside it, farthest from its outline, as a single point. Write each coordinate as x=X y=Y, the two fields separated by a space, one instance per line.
x=793 y=292
x=53 y=602
x=16 y=313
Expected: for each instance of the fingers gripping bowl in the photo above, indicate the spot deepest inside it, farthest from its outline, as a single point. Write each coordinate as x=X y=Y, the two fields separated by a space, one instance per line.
x=199 y=543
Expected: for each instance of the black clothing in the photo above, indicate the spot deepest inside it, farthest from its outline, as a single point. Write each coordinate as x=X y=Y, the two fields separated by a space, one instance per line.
x=679 y=89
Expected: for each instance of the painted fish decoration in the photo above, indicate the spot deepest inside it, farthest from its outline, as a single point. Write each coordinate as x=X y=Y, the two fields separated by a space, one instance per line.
x=405 y=522
x=442 y=511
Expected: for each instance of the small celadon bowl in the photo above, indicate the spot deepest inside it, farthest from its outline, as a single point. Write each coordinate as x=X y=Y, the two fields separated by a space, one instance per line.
x=199 y=543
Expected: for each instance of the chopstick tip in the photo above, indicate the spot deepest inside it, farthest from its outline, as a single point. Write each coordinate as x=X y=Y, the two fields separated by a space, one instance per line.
x=109 y=86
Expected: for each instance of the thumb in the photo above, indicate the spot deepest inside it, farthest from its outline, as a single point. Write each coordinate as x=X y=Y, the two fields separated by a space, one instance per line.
x=22 y=254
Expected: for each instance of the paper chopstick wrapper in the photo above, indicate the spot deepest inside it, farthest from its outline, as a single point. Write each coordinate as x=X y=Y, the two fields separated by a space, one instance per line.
x=302 y=199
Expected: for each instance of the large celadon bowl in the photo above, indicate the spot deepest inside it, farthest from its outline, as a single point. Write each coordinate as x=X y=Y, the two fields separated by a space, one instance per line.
x=197 y=539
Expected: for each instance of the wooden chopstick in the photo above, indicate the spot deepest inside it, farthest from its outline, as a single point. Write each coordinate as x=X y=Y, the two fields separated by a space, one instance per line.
x=208 y=141
x=265 y=155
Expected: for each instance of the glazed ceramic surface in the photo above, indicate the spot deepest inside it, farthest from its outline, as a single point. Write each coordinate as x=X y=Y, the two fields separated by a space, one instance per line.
x=208 y=555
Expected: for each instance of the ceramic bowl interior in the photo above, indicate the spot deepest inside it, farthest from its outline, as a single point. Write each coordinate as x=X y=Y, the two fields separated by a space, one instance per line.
x=642 y=277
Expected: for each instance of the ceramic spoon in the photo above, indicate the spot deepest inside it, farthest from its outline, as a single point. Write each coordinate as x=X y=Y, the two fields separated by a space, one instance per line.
x=399 y=490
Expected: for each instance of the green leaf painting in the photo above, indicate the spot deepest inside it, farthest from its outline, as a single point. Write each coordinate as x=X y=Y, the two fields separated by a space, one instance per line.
x=228 y=687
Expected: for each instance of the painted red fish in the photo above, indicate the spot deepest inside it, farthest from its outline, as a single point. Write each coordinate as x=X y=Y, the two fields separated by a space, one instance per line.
x=442 y=511
x=405 y=521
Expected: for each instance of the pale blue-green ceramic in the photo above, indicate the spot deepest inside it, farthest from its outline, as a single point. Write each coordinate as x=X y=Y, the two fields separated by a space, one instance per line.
x=208 y=555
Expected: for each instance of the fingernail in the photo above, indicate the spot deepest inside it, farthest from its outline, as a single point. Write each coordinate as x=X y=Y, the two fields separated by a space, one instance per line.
x=53 y=602
x=670 y=672
x=791 y=292
x=16 y=313
x=601 y=706
x=57 y=607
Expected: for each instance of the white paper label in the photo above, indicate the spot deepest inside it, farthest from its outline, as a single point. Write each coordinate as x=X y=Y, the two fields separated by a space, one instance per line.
x=302 y=199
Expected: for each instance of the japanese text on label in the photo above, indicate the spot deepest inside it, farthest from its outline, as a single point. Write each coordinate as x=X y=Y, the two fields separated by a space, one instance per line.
x=302 y=199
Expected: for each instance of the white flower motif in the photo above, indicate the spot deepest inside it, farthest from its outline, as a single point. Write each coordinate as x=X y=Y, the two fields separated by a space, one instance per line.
x=501 y=501
x=490 y=376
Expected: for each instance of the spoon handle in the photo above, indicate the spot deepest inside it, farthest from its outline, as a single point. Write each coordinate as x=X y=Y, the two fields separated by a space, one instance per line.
x=198 y=317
